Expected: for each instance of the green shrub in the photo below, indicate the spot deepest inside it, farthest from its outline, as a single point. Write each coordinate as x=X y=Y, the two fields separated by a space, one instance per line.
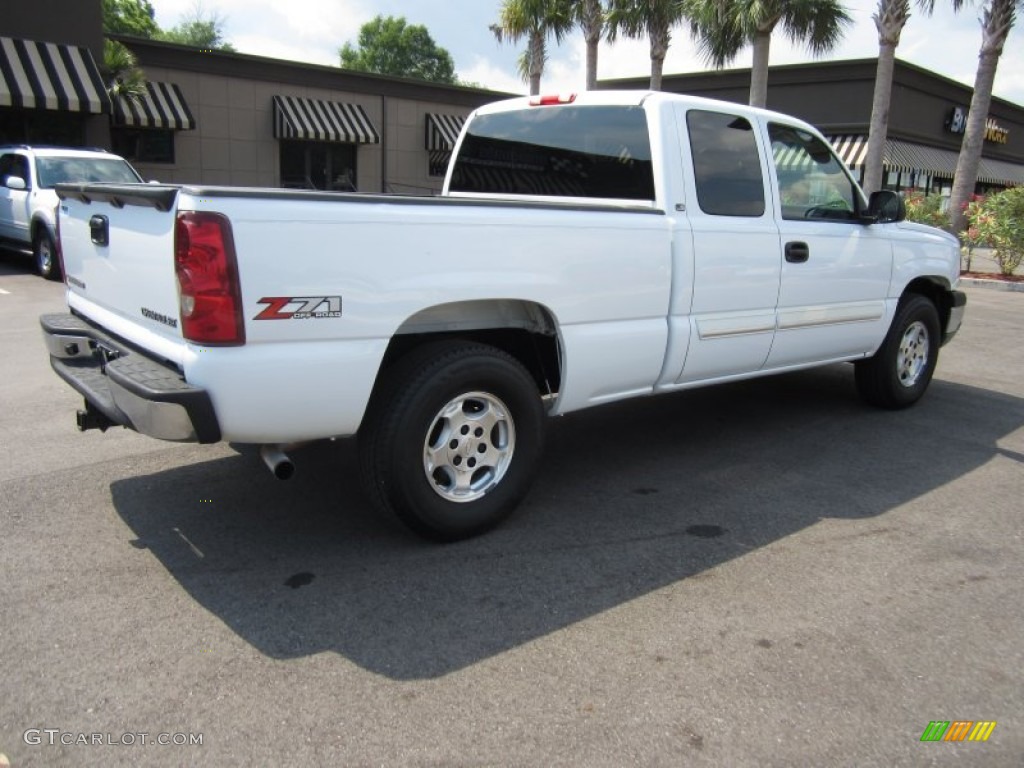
x=972 y=237
x=926 y=210
x=998 y=222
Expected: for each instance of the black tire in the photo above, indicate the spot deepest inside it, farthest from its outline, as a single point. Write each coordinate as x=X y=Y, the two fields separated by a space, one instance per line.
x=899 y=372
x=449 y=477
x=45 y=254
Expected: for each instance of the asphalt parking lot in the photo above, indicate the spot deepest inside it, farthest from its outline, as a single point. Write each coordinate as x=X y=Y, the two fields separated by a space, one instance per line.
x=767 y=573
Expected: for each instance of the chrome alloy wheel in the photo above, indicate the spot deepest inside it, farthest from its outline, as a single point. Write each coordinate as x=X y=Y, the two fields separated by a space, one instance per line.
x=469 y=446
x=44 y=257
x=912 y=358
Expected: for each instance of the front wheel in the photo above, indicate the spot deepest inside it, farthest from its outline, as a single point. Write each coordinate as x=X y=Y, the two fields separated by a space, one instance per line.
x=45 y=254
x=452 y=439
x=900 y=371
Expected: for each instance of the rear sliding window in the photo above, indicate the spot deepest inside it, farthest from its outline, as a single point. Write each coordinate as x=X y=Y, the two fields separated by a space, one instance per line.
x=726 y=165
x=563 y=151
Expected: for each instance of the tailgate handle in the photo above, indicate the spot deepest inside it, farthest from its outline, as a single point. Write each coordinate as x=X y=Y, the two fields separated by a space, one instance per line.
x=99 y=229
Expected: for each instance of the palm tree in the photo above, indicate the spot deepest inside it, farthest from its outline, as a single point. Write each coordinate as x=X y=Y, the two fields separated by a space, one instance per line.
x=535 y=20
x=653 y=19
x=997 y=20
x=890 y=18
x=590 y=17
x=724 y=27
x=122 y=73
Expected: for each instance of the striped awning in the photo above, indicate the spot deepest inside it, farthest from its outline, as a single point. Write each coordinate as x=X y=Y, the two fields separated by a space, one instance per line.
x=162 y=106
x=1000 y=172
x=296 y=117
x=443 y=131
x=900 y=155
x=36 y=75
x=851 y=149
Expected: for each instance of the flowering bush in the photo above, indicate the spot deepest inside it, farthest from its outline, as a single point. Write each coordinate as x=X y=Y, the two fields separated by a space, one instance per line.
x=926 y=210
x=998 y=222
x=972 y=237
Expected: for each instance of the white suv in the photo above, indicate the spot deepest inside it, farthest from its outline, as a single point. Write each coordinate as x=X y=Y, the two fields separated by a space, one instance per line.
x=28 y=200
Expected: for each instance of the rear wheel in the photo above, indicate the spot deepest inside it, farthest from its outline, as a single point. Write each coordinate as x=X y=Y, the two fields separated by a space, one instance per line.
x=900 y=371
x=45 y=255
x=452 y=439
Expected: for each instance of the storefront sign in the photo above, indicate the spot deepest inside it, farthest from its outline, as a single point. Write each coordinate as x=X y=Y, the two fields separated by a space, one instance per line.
x=995 y=133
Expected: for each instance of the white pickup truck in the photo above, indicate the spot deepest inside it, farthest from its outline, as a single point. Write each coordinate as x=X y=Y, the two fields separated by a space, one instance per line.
x=585 y=250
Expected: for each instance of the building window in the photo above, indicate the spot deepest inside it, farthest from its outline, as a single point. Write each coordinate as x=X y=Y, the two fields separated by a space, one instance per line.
x=318 y=165
x=41 y=126
x=150 y=145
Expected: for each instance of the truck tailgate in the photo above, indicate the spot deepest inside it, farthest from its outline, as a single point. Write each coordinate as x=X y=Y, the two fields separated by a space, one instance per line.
x=118 y=251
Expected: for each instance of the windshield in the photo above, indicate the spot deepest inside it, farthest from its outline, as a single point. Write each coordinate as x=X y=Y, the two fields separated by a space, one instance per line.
x=54 y=170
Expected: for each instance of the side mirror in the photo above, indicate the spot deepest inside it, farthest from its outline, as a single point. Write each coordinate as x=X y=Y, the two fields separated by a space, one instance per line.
x=885 y=207
x=15 y=182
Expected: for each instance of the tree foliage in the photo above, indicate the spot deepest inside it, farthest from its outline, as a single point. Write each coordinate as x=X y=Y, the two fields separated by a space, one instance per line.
x=206 y=34
x=723 y=29
x=121 y=71
x=129 y=17
x=391 y=46
x=199 y=29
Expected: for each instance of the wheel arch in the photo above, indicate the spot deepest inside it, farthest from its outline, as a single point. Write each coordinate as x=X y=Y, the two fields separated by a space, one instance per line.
x=938 y=291
x=526 y=330
x=40 y=222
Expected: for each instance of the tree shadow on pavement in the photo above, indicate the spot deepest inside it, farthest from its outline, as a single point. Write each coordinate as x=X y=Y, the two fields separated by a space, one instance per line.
x=631 y=498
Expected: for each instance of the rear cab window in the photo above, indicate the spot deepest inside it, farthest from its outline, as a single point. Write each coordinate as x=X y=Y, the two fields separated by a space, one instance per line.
x=563 y=151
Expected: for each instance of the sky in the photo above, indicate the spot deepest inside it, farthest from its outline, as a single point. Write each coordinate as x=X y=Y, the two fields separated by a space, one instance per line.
x=314 y=30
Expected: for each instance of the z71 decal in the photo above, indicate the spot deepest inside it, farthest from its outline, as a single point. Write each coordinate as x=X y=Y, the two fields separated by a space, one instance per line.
x=299 y=307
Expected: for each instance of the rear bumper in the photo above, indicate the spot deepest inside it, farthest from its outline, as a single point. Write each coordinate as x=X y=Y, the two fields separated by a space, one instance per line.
x=127 y=386
x=956 y=315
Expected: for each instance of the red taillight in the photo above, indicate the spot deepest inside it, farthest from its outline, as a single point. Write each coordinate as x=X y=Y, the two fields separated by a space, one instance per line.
x=209 y=294
x=552 y=99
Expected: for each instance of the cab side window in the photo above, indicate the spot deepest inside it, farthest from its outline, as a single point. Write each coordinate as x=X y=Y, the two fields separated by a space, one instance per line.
x=726 y=165
x=812 y=182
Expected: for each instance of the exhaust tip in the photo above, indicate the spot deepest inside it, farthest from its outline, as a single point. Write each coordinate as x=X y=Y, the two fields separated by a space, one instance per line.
x=277 y=461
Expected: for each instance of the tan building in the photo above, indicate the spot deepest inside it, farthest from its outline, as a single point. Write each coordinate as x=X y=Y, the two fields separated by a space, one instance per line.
x=229 y=118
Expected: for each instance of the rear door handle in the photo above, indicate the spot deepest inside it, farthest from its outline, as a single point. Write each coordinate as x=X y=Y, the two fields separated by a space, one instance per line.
x=797 y=253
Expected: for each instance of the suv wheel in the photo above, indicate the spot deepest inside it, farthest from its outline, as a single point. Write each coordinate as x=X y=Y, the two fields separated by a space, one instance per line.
x=46 y=255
